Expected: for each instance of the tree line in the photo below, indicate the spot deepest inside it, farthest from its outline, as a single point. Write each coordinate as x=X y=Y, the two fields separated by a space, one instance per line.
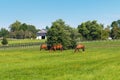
x=19 y=30
x=60 y=32
x=68 y=36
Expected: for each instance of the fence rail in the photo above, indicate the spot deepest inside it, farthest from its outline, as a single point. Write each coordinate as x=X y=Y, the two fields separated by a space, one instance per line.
x=33 y=44
x=21 y=45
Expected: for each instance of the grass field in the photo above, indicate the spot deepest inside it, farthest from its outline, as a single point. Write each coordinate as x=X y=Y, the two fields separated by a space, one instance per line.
x=100 y=61
x=14 y=41
x=20 y=41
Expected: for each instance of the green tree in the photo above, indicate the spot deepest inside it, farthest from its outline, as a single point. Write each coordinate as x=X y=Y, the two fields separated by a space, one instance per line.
x=28 y=34
x=14 y=30
x=75 y=37
x=4 y=41
x=115 y=31
x=15 y=26
x=105 y=33
x=90 y=30
x=4 y=32
x=84 y=31
x=59 y=33
x=32 y=31
x=21 y=31
x=23 y=27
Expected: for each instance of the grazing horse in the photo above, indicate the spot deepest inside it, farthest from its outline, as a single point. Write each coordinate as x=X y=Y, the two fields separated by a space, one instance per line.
x=79 y=46
x=43 y=46
x=56 y=47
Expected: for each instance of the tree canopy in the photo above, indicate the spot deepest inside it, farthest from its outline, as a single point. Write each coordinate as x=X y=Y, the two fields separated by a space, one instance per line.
x=60 y=33
x=90 y=30
x=115 y=31
x=21 y=31
x=4 y=32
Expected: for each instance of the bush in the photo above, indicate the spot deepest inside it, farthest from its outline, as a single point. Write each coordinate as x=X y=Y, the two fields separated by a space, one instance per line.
x=4 y=41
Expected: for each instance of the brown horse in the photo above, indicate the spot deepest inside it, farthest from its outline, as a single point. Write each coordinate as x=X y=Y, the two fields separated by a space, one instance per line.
x=79 y=46
x=56 y=47
x=43 y=46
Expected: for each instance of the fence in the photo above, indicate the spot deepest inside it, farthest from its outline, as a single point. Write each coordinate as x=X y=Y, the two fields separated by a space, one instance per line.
x=20 y=45
x=37 y=44
x=100 y=41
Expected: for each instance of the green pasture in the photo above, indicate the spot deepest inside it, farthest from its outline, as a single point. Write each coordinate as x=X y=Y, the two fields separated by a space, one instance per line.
x=100 y=61
x=20 y=41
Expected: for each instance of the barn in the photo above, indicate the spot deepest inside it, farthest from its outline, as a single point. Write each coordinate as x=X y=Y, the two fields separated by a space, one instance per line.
x=41 y=34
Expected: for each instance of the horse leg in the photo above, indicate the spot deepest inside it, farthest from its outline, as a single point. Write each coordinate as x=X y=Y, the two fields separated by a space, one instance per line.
x=78 y=50
x=61 y=49
x=83 y=49
x=50 y=49
x=75 y=50
x=54 y=49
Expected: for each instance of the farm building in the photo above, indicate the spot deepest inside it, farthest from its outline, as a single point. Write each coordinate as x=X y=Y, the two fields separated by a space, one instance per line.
x=41 y=34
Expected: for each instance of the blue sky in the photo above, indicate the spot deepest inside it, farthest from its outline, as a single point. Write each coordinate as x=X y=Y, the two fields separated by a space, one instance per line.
x=42 y=13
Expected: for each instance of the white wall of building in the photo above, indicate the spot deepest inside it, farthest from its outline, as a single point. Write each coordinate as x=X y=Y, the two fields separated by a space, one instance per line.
x=39 y=37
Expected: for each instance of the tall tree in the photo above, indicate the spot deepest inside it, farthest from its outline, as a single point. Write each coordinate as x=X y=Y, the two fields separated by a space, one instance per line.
x=14 y=29
x=23 y=27
x=75 y=37
x=4 y=32
x=32 y=31
x=105 y=33
x=115 y=31
x=84 y=31
x=90 y=30
x=15 y=26
x=21 y=31
x=59 y=33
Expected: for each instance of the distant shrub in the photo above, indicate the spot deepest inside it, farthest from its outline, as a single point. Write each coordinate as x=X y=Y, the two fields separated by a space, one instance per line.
x=4 y=41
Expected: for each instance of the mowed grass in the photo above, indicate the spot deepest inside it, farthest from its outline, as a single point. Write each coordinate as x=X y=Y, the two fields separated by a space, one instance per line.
x=20 y=41
x=100 y=61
